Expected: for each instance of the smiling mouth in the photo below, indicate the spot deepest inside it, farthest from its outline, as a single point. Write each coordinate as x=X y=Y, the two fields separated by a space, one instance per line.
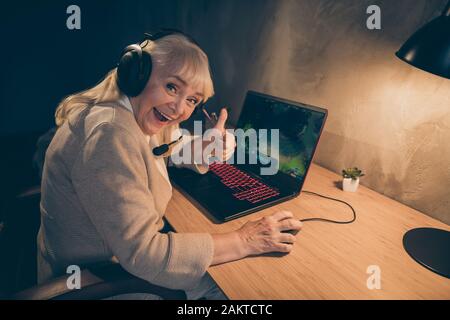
x=161 y=116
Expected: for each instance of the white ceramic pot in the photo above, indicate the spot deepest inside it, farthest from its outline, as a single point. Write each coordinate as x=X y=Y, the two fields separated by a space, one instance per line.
x=348 y=184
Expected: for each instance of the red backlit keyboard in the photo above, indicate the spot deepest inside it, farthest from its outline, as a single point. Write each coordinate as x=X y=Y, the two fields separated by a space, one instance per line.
x=243 y=186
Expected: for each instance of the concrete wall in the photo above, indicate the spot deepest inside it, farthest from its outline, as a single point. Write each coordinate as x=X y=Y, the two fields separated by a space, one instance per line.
x=386 y=117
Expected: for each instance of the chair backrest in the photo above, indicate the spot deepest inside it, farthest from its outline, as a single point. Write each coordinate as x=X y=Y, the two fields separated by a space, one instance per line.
x=20 y=225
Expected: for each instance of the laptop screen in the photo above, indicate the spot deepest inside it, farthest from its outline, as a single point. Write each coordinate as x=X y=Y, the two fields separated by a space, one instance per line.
x=299 y=125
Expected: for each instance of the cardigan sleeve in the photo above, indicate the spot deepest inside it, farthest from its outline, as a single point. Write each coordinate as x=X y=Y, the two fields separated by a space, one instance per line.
x=111 y=181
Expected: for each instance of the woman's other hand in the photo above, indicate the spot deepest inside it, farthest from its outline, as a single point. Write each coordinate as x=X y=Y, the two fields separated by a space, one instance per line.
x=269 y=234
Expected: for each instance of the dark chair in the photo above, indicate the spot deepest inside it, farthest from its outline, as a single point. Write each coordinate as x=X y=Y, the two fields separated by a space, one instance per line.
x=18 y=267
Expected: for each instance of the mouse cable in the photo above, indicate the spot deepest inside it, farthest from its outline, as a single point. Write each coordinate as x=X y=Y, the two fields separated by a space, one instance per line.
x=328 y=220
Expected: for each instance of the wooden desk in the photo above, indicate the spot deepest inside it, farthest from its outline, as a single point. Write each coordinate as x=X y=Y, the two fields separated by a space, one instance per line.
x=329 y=261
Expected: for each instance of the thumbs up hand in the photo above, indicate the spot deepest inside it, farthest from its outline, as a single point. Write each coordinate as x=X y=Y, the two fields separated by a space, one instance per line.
x=220 y=124
x=228 y=143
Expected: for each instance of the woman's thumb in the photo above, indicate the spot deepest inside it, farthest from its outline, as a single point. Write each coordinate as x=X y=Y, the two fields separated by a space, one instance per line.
x=222 y=119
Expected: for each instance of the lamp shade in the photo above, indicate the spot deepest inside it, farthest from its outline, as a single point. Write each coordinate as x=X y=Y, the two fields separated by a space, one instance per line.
x=429 y=47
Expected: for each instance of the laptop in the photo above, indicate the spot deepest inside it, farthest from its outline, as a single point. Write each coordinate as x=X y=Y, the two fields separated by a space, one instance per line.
x=231 y=190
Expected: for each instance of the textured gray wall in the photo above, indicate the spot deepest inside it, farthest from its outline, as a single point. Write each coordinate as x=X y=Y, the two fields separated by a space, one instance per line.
x=385 y=117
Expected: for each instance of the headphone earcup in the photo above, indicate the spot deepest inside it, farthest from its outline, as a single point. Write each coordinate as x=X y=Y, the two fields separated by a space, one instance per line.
x=146 y=71
x=133 y=70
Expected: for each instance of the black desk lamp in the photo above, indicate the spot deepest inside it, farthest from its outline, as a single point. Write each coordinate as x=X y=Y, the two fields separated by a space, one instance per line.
x=429 y=49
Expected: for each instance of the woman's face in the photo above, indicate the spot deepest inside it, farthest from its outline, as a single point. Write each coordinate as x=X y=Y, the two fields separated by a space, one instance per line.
x=166 y=100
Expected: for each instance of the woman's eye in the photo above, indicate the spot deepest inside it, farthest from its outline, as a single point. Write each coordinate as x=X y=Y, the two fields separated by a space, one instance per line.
x=171 y=87
x=193 y=102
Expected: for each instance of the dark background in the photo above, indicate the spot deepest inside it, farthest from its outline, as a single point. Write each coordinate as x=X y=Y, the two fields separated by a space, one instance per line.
x=314 y=51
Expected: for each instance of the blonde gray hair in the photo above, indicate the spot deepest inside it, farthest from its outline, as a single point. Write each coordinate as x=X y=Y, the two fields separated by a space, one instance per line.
x=172 y=55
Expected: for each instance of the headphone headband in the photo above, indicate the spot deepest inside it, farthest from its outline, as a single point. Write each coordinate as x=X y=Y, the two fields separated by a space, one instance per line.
x=164 y=32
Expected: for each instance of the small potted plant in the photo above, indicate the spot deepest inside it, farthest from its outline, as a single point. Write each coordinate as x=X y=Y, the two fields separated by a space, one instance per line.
x=351 y=179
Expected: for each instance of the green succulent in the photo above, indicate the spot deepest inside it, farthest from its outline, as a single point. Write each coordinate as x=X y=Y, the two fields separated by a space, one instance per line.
x=352 y=173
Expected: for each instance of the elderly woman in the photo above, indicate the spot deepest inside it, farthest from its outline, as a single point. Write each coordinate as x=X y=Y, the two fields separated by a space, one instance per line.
x=104 y=193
